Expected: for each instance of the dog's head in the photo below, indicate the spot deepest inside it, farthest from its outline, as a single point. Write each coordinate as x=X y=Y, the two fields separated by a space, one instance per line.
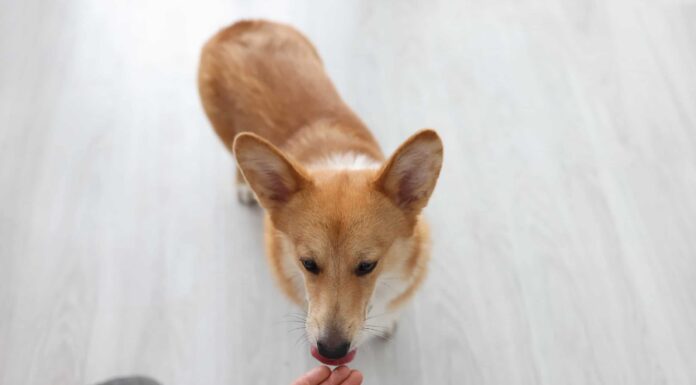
x=346 y=228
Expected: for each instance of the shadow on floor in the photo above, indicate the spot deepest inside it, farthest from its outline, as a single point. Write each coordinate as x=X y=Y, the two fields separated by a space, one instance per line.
x=131 y=381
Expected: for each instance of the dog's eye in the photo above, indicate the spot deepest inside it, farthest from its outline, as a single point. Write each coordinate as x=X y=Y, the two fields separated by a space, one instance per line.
x=365 y=268
x=310 y=266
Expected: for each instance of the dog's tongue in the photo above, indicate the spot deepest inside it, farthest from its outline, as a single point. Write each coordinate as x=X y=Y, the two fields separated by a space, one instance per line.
x=328 y=361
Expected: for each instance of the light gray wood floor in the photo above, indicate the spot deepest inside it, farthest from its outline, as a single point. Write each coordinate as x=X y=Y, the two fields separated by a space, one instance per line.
x=564 y=221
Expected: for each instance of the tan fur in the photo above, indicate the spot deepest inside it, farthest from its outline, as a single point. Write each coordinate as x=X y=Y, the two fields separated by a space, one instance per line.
x=266 y=80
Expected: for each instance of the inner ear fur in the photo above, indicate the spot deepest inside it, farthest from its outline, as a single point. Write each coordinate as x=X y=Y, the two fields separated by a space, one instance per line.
x=408 y=178
x=273 y=176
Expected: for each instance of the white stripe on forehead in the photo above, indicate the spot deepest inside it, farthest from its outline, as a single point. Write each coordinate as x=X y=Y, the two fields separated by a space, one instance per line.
x=346 y=161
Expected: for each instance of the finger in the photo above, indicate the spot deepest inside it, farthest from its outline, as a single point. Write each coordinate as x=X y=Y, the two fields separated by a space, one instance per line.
x=337 y=376
x=355 y=378
x=314 y=376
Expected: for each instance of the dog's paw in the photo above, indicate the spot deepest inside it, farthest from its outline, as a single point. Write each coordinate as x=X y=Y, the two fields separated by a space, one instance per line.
x=391 y=330
x=245 y=195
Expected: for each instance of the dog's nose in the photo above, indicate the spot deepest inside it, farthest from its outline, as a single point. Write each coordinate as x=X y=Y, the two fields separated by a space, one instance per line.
x=333 y=348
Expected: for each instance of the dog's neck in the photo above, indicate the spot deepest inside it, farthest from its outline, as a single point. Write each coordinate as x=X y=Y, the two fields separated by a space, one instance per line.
x=335 y=144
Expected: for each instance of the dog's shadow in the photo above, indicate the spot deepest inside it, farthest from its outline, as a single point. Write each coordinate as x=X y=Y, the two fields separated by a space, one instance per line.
x=135 y=380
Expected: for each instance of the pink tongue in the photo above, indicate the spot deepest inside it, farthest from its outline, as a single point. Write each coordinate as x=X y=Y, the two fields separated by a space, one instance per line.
x=328 y=361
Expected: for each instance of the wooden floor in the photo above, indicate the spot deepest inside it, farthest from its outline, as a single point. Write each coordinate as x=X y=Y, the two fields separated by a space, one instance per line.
x=564 y=221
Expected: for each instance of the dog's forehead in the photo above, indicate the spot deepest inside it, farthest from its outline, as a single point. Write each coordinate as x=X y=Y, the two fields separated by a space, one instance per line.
x=345 y=199
x=343 y=233
x=343 y=214
x=343 y=230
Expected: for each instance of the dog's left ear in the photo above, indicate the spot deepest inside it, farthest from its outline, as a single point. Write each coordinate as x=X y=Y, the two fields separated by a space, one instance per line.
x=273 y=176
x=409 y=176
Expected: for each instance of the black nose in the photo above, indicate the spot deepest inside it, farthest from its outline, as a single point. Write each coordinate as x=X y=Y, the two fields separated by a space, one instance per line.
x=333 y=349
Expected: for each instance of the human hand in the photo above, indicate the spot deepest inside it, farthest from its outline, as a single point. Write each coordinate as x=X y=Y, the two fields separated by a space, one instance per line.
x=322 y=375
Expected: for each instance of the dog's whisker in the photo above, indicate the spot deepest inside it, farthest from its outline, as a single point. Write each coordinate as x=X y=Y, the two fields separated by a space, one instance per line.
x=301 y=338
x=375 y=326
x=378 y=335
x=299 y=315
x=292 y=324
x=295 y=317
x=293 y=320
x=381 y=332
x=376 y=316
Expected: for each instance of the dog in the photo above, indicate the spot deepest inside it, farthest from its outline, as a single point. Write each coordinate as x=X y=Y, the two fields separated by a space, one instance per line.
x=343 y=229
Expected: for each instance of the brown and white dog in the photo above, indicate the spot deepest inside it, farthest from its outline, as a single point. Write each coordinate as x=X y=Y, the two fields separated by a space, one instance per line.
x=343 y=230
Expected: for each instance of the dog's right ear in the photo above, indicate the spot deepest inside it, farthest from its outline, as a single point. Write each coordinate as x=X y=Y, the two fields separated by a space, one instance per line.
x=272 y=176
x=409 y=176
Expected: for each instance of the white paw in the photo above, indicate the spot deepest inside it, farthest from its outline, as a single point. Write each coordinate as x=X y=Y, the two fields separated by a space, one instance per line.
x=391 y=329
x=245 y=195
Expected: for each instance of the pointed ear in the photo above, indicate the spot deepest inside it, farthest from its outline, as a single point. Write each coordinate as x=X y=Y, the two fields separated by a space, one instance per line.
x=409 y=176
x=272 y=176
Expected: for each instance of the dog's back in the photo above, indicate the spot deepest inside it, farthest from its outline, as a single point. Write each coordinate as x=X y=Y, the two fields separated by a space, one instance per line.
x=267 y=78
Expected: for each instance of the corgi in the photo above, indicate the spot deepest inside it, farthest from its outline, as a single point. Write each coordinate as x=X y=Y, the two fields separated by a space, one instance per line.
x=343 y=230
